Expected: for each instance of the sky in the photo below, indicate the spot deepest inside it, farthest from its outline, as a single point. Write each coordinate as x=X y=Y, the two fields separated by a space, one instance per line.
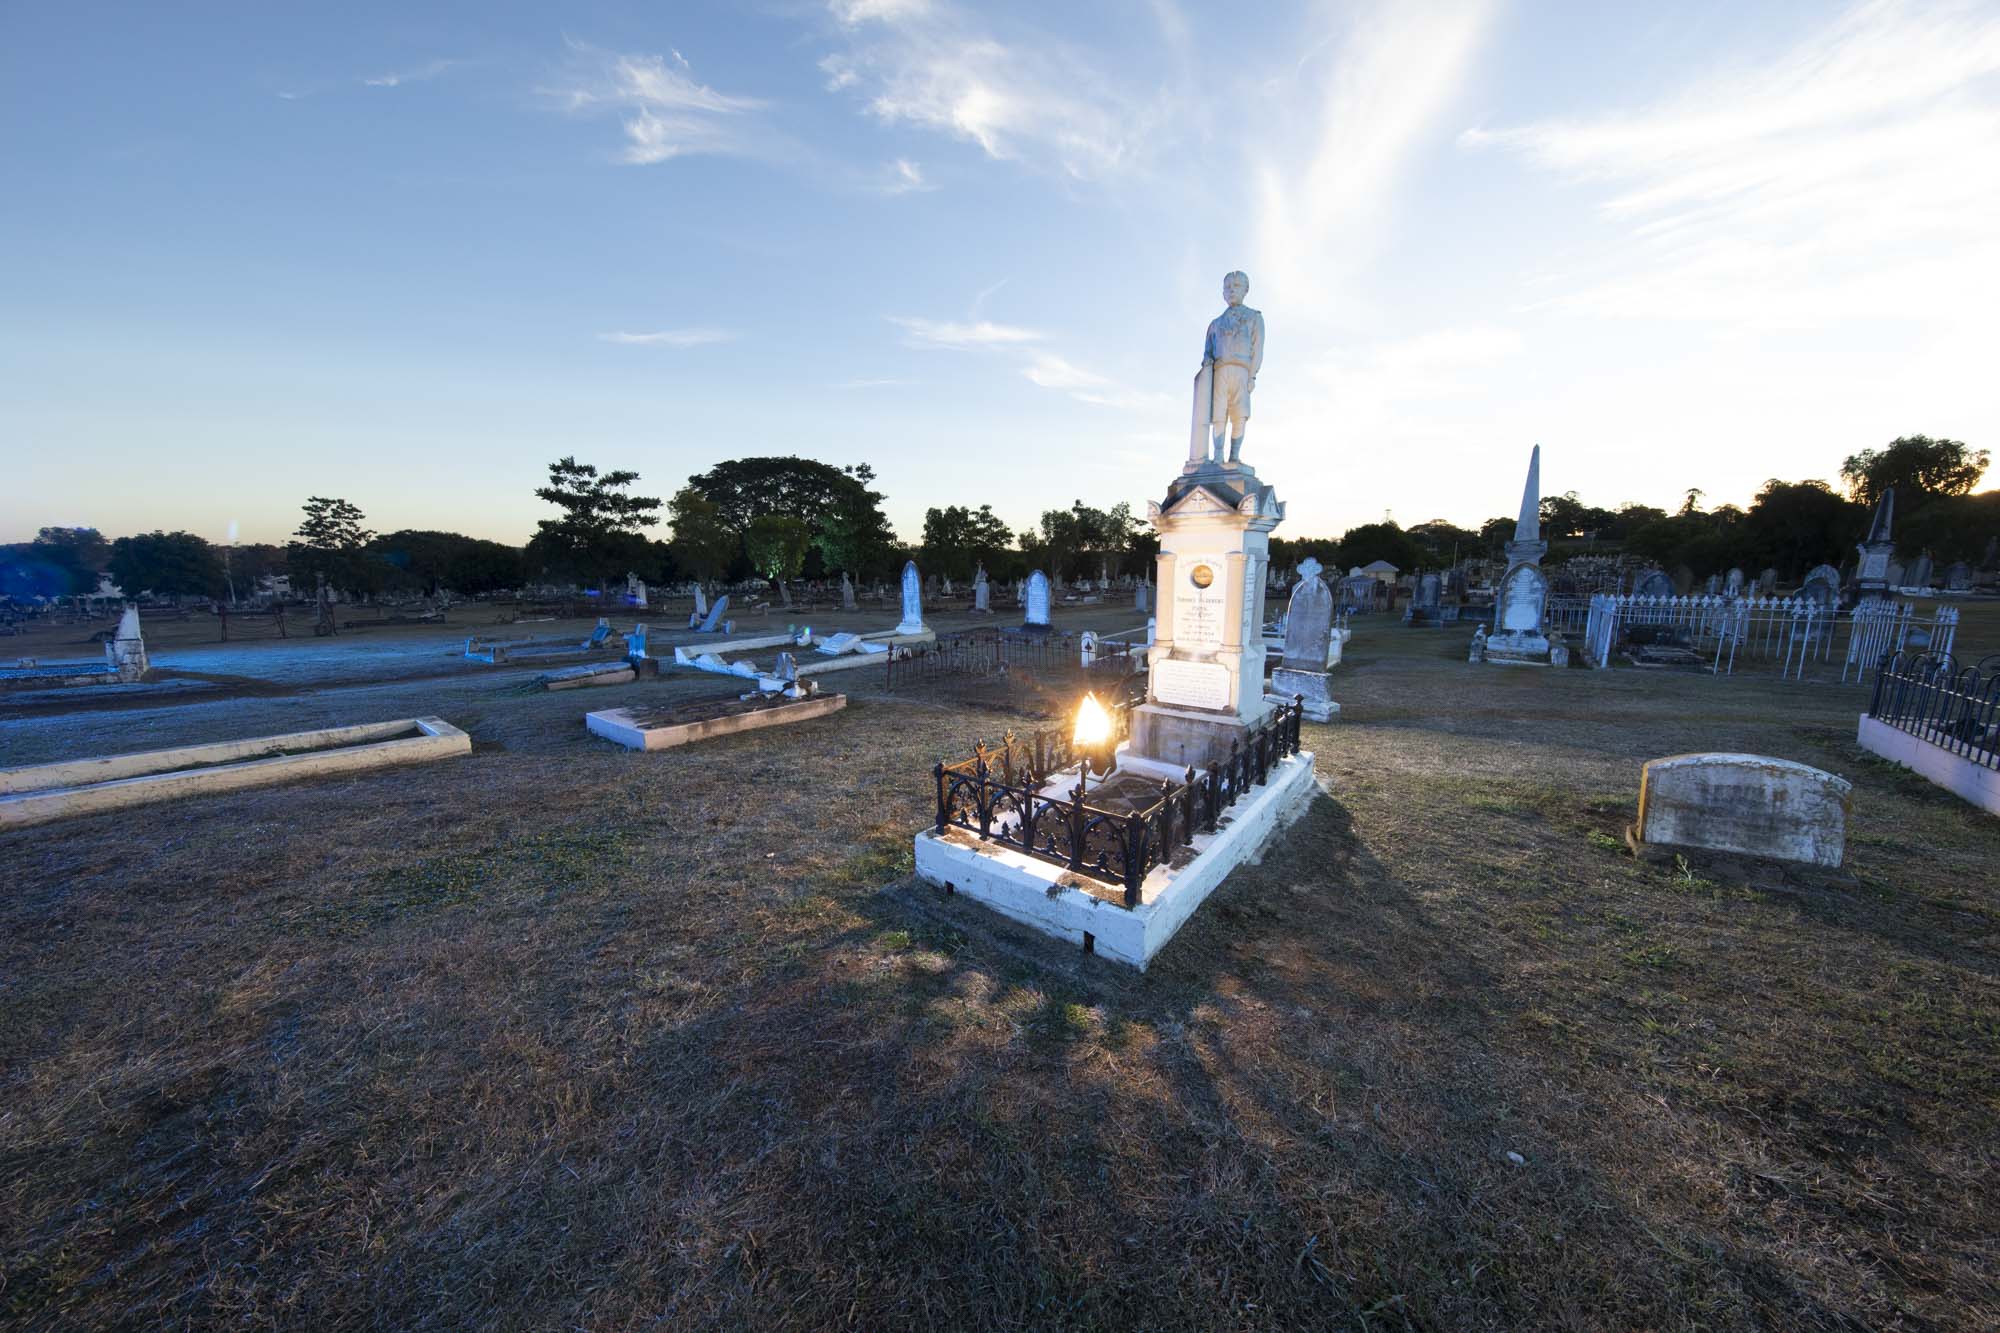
x=409 y=254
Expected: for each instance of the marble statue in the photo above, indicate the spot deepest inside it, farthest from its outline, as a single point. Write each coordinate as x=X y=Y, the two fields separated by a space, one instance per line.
x=1231 y=355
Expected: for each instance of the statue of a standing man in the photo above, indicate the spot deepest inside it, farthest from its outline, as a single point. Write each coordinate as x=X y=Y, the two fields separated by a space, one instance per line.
x=1231 y=356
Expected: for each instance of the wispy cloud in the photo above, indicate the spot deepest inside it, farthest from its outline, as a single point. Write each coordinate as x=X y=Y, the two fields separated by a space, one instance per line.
x=958 y=336
x=670 y=338
x=667 y=113
x=397 y=78
x=905 y=177
x=1030 y=98
x=1373 y=90
x=1852 y=175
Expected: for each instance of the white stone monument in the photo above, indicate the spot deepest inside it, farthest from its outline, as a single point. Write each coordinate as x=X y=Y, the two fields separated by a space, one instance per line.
x=913 y=601
x=1872 y=574
x=1035 y=620
x=1520 y=625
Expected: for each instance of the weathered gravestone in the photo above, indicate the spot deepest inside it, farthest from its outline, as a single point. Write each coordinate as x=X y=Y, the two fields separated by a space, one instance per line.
x=1142 y=596
x=846 y=593
x=982 y=593
x=1958 y=578
x=1744 y=803
x=1920 y=572
x=1822 y=585
x=1653 y=583
x=125 y=651
x=913 y=601
x=1767 y=582
x=1036 y=599
x=1301 y=673
x=1733 y=584
x=713 y=622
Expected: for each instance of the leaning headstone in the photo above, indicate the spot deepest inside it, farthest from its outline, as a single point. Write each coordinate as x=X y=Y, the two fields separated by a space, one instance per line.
x=700 y=603
x=635 y=643
x=1920 y=572
x=713 y=621
x=1301 y=673
x=913 y=601
x=1036 y=620
x=1744 y=803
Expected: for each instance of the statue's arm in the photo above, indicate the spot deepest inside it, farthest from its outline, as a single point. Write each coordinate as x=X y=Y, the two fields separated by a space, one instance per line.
x=1257 y=346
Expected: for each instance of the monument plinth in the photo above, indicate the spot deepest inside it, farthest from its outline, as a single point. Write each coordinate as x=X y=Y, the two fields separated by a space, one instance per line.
x=1205 y=679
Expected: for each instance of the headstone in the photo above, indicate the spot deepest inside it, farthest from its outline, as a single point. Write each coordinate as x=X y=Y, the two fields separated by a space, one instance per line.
x=982 y=593
x=1683 y=580
x=1897 y=574
x=1653 y=583
x=1876 y=553
x=1713 y=587
x=713 y=621
x=846 y=593
x=635 y=643
x=1142 y=596
x=1523 y=599
x=1767 y=582
x=913 y=601
x=1958 y=578
x=788 y=668
x=635 y=590
x=1920 y=572
x=1088 y=646
x=1744 y=803
x=700 y=604
x=1822 y=585
x=1732 y=584
x=1036 y=620
x=1301 y=672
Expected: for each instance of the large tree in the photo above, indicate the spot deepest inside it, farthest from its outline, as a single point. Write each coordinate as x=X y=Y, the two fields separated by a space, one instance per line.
x=702 y=545
x=841 y=510
x=331 y=543
x=71 y=558
x=776 y=545
x=1792 y=526
x=1919 y=467
x=166 y=564
x=430 y=561
x=956 y=539
x=1381 y=541
x=598 y=517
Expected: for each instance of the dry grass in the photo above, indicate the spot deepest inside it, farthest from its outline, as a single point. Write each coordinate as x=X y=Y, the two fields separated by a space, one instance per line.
x=560 y=1035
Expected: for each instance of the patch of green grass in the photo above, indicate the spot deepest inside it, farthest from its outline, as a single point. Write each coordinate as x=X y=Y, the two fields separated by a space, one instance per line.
x=894 y=940
x=1604 y=842
x=1659 y=954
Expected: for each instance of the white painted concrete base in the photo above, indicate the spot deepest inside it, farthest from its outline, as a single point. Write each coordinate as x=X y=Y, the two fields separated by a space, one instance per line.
x=1045 y=896
x=52 y=791
x=1955 y=773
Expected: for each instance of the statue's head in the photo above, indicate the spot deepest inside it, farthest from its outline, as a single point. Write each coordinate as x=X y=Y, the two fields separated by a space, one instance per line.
x=1235 y=286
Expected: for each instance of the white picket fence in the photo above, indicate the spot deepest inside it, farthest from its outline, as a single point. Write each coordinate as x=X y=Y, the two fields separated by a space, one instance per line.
x=1793 y=634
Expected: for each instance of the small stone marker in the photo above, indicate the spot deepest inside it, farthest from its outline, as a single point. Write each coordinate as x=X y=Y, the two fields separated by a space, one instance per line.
x=1745 y=803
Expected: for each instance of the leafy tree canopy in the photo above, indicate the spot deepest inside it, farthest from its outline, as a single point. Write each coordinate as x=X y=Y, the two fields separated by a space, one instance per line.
x=597 y=514
x=702 y=545
x=957 y=539
x=1918 y=466
x=167 y=564
x=776 y=545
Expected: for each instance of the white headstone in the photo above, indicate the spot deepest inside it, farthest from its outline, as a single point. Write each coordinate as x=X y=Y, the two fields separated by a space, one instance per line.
x=1037 y=600
x=913 y=600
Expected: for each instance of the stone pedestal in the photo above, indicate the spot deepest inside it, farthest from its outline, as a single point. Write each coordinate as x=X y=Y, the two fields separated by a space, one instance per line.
x=1312 y=688
x=1205 y=677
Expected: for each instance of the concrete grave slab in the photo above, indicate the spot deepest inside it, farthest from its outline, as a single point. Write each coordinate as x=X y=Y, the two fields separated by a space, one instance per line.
x=52 y=791
x=640 y=728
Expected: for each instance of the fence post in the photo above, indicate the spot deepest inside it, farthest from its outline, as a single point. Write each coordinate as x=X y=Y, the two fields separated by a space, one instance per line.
x=938 y=773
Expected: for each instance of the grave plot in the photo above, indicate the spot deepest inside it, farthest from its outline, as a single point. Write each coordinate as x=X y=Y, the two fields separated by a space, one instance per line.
x=662 y=728
x=43 y=792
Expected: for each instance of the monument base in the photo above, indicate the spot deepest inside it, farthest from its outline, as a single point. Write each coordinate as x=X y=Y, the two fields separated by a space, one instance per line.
x=1072 y=907
x=1526 y=648
x=1309 y=687
x=1186 y=737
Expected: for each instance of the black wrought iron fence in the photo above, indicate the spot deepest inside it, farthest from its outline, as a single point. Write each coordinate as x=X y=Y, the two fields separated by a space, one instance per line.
x=1931 y=697
x=1002 y=795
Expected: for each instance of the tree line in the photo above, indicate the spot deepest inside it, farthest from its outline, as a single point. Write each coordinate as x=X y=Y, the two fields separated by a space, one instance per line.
x=781 y=518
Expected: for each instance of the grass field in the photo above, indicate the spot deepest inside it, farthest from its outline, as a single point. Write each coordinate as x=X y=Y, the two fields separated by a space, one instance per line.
x=560 y=1035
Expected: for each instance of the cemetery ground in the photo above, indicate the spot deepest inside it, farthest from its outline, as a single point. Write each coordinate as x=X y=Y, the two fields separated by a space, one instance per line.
x=558 y=1034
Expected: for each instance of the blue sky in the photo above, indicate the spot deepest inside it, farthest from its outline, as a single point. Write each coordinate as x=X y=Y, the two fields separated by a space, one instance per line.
x=407 y=254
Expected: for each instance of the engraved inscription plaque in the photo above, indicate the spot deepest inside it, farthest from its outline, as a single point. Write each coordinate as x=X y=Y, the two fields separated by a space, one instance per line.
x=1199 y=603
x=1191 y=684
